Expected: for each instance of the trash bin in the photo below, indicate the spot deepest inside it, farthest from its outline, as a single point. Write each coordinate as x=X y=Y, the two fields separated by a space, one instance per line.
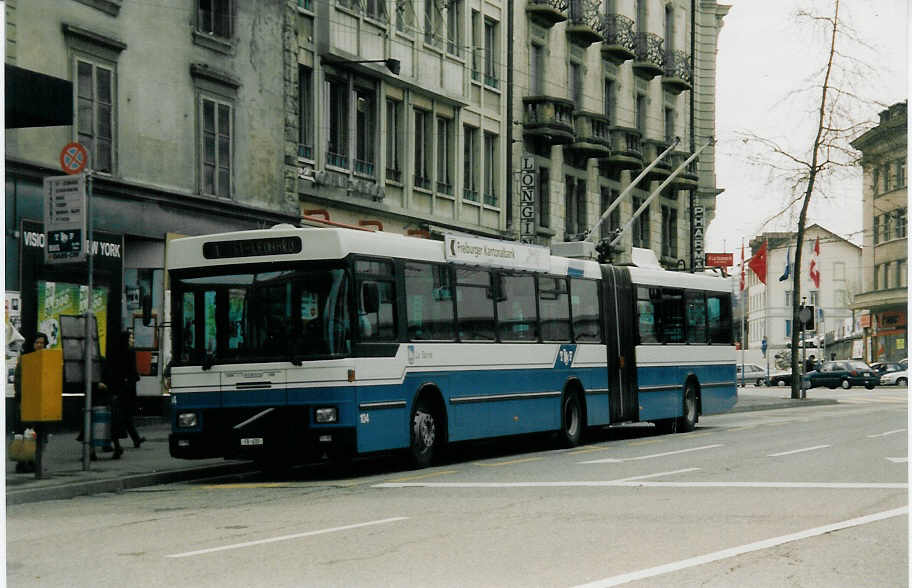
x=101 y=427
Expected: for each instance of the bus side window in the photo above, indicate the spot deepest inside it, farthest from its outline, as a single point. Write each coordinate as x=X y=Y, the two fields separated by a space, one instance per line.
x=376 y=301
x=585 y=310
x=696 y=317
x=719 y=312
x=188 y=327
x=646 y=319
x=474 y=304
x=516 y=310
x=429 y=302
x=554 y=305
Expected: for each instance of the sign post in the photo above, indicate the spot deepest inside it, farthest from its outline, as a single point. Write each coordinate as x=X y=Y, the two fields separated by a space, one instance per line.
x=527 y=185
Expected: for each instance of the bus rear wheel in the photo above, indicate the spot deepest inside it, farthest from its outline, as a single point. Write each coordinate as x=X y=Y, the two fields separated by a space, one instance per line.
x=571 y=432
x=688 y=422
x=424 y=435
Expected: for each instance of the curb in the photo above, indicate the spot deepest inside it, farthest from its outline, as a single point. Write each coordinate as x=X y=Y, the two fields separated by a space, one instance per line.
x=69 y=490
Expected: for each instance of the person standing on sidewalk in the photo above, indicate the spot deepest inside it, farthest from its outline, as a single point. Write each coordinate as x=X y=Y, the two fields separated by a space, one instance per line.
x=121 y=377
x=37 y=344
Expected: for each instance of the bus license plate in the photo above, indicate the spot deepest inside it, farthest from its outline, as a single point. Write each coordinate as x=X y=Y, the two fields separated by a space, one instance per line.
x=251 y=441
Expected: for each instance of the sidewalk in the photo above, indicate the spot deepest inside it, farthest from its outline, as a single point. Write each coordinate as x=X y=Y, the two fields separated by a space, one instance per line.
x=151 y=464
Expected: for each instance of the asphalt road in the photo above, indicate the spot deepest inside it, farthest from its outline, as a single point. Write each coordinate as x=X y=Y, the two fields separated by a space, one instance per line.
x=814 y=496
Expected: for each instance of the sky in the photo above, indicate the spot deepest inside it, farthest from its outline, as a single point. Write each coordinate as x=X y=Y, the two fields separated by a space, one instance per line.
x=766 y=59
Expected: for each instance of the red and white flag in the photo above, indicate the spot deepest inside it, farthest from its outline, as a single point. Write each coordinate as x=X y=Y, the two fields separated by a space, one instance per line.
x=815 y=271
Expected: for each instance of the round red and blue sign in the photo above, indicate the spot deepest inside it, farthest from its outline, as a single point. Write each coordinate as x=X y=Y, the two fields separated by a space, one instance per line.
x=73 y=158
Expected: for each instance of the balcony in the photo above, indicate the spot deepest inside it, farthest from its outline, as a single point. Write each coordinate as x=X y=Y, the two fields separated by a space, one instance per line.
x=688 y=178
x=678 y=74
x=593 y=138
x=618 y=41
x=649 y=55
x=626 y=151
x=548 y=117
x=584 y=27
x=652 y=148
x=547 y=13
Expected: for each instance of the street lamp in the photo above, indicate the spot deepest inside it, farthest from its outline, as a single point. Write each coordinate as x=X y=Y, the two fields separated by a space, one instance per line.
x=391 y=64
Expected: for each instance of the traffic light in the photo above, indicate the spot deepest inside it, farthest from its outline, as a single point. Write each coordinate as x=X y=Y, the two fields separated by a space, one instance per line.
x=806 y=318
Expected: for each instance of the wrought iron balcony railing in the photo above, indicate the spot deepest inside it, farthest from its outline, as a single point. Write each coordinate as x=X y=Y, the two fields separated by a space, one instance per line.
x=336 y=159
x=548 y=117
x=678 y=74
x=584 y=27
x=619 y=42
x=547 y=12
x=650 y=55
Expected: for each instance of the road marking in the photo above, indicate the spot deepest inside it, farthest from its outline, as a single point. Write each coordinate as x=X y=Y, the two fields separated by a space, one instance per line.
x=885 y=434
x=742 y=549
x=286 y=537
x=588 y=449
x=619 y=460
x=797 y=451
x=658 y=475
x=644 y=442
x=247 y=485
x=632 y=483
x=422 y=476
x=899 y=459
x=511 y=462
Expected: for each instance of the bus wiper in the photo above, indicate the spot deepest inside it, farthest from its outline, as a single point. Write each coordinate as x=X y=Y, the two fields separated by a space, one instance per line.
x=208 y=361
x=295 y=360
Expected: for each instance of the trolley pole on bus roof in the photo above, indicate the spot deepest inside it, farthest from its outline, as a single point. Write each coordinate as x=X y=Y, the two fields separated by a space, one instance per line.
x=656 y=192
x=617 y=201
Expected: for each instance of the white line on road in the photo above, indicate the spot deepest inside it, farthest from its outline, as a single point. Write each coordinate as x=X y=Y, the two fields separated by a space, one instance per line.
x=623 y=459
x=798 y=450
x=630 y=483
x=742 y=549
x=658 y=475
x=286 y=537
x=885 y=434
x=899 y=459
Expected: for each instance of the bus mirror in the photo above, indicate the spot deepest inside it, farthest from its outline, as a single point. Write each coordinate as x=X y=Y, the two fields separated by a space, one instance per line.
x=147 y=310
x=370 y=297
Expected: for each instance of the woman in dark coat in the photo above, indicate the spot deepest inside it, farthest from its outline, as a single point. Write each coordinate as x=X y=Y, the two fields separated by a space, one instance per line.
x=121 y=377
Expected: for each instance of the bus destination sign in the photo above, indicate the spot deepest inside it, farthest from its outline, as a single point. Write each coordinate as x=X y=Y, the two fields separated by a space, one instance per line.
x=252 y=247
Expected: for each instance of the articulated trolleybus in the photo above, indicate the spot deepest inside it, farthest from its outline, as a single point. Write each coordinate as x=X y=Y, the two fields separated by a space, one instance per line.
x=291 y=344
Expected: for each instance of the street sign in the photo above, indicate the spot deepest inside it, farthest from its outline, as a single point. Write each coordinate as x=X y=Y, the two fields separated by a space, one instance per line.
x=73 y=158
x=806 y=316
x=65 y=219
x=527 y=184
x=763 y=346
x=720 y=259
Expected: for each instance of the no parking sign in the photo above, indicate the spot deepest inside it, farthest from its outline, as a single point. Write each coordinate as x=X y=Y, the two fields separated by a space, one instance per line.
x=73 y=158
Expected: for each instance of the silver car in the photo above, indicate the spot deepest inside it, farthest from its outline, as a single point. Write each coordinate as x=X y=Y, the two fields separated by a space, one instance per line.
x=899 y=378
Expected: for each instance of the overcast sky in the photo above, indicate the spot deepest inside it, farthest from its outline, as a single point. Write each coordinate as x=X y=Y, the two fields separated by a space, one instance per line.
x=765 y=54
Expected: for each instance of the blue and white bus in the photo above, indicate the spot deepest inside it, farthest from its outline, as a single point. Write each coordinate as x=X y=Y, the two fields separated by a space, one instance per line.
x=294 y=343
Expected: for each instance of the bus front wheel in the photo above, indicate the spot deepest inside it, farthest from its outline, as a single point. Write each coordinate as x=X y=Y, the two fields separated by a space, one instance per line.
x=571 y=420
x=424 y=435
x=688 y=422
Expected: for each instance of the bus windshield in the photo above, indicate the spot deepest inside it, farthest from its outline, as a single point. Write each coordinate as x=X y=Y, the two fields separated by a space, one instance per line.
x=290 y=314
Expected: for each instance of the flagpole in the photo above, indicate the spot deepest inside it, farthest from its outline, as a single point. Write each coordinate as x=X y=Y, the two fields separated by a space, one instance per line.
x=743 y=310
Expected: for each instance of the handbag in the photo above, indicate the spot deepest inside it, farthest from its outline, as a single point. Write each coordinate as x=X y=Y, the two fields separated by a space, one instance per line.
x=21 y=449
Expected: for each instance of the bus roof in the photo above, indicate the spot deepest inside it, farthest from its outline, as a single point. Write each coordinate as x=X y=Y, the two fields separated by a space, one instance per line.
x=318 y=243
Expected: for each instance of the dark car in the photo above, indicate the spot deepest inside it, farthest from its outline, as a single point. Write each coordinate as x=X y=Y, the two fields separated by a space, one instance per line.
x=886 y=367
x=845 y=373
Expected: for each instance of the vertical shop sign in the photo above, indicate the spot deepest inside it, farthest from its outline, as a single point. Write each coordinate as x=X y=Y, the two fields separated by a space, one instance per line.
x=65 y=218
x=697 y=239
x=527 y=185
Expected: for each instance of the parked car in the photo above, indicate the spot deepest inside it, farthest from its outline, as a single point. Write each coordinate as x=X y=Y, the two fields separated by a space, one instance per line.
x=753 y=373
x=847 y=373
x=904 y=363
x=899 y=378
x=780 y=379
x=886 y=367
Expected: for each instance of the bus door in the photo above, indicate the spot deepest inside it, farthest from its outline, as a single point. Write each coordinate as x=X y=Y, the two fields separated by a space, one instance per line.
x=620 y=334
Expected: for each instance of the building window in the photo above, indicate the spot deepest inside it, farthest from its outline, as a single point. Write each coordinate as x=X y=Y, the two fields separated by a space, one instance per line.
x=470 y=163
x=788 y=327
x=838 y=270
x=885 y=173
x=575 y=208
x=490 y=55
x=537 y=69
x=393 y=140
x=876 y=285
x=812 y=298
x=95 y=113
x=337 y=137
x=432 y=21
x=610 y=101
x=901 y=273
x=875 y=180
x=216 y=146
x=305 y=112
x=900 y=173
x=641 y=26
x=613 y=222
x=887 y=225
x=444 y=155
x=900 y=224
x=669 y=231
x=640 y=224
x=490 y=169
x=454 y=27
x=641 y=114
x=375 y=9
x=788 y=298
x=875 y=232
x=215 y=17
x=405 y=16
x=576 y=84
x=669 y=125
x=422 y=149
x=544 y=197
x=365 y=130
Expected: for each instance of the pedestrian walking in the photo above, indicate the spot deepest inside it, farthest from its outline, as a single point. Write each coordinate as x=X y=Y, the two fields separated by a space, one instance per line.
x=121 y=378
x=39 y=342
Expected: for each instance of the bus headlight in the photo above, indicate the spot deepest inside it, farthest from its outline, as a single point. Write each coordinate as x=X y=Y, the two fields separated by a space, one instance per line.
x=326 y=415
x=186 y=419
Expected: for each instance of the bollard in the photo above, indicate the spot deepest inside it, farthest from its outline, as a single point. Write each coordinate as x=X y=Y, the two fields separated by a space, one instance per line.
x=101 y=427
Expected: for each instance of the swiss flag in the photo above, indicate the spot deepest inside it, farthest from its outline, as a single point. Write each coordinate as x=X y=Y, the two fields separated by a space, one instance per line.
x=815 y=272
